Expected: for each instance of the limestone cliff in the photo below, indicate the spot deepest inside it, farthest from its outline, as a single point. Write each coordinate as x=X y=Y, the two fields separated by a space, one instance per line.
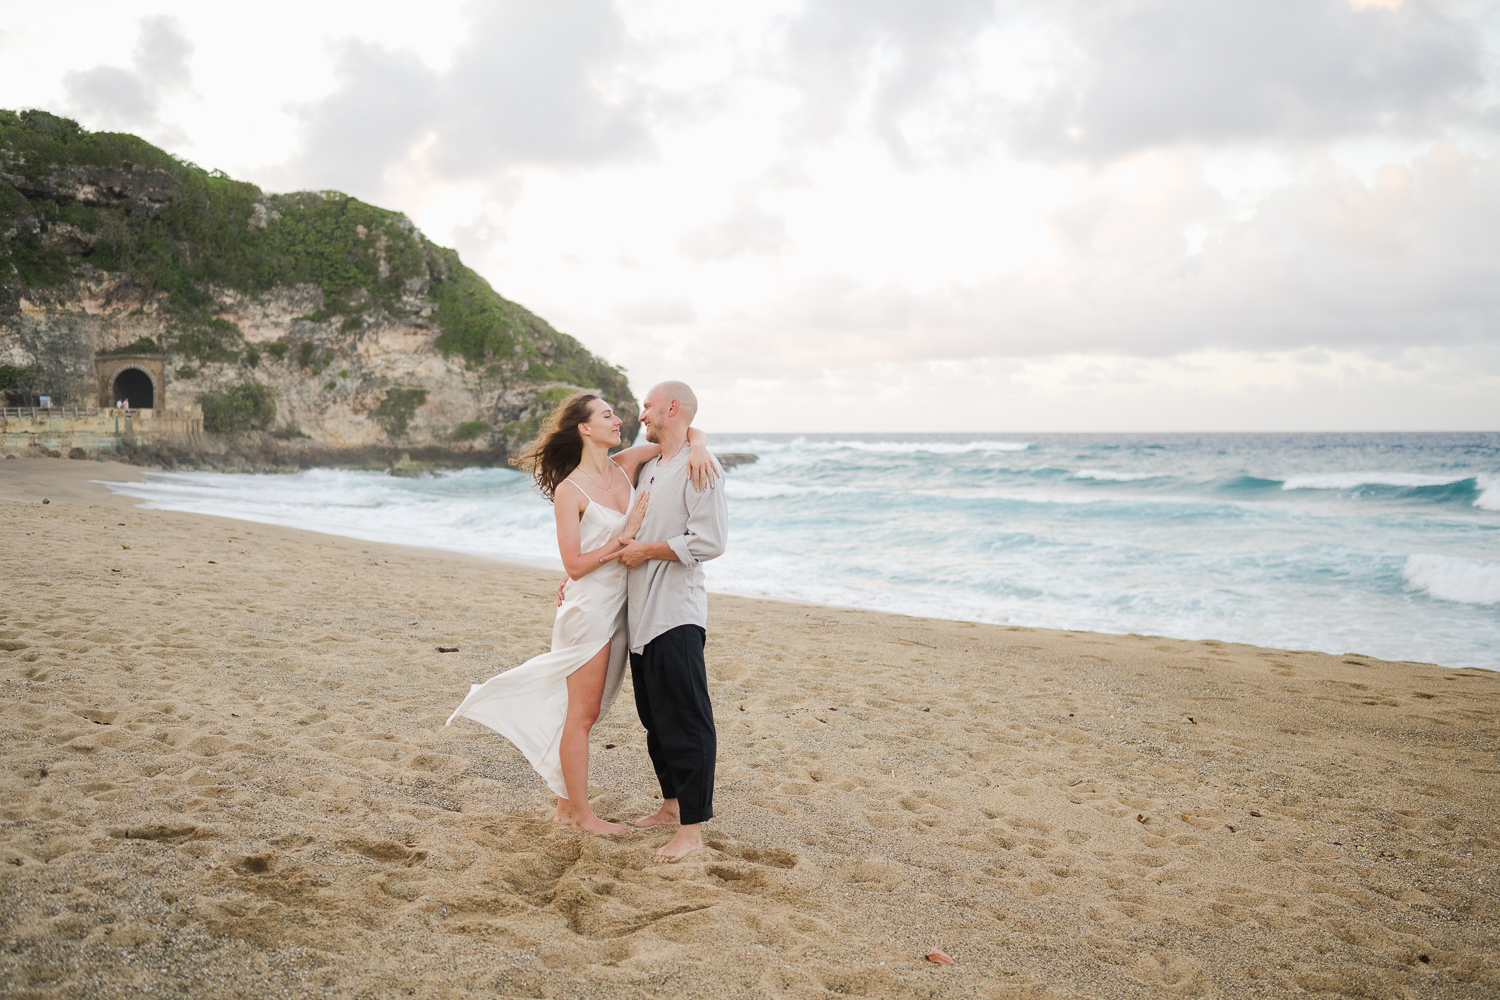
x=311 y=325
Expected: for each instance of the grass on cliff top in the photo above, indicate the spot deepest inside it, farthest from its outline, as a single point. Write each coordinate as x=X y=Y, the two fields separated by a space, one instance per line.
x=484 y=327
x=216 y=231
x=206 y=233
x=35 y=140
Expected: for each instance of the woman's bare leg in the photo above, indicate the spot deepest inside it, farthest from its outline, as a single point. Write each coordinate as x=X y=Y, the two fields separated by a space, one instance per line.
x=585 y=689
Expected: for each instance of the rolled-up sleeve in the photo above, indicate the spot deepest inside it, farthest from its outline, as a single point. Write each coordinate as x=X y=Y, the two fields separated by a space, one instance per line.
x=707 y=530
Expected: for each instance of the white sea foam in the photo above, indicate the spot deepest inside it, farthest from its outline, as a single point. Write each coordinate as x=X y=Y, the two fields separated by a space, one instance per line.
x=961 y=530
x=1105 y=475
x=741 y=489
x=456 y=512
x=1489 y=493
x=1053 y=496
x=1350 y=480
x=1454 y=578
x=908 y=447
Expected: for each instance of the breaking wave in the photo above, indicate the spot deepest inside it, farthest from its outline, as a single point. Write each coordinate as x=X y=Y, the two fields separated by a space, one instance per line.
x=1106 y=475
x=1454 y=578
x=902 y=447
x=1489 y=493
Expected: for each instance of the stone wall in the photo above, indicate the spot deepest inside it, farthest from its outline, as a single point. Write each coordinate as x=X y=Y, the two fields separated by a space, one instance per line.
x=32 y=432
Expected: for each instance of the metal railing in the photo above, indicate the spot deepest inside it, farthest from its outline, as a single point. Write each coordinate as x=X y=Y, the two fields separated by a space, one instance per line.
x=49 y=412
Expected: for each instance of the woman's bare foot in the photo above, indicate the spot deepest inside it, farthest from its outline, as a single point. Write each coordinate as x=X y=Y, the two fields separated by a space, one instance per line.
x=686 y=842
x=564 y=814
x=667 y=815
x=599 y=827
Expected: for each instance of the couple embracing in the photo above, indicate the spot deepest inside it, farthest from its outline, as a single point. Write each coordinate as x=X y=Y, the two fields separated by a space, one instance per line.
x=634 y=531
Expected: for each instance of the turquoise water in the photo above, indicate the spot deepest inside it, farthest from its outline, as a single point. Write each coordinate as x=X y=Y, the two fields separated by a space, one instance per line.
x=1383 y=544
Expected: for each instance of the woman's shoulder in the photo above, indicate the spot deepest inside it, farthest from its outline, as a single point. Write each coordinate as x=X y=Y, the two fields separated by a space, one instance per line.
x=574 y=497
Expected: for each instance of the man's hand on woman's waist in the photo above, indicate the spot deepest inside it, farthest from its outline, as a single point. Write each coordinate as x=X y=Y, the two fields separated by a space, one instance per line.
x=635 y=553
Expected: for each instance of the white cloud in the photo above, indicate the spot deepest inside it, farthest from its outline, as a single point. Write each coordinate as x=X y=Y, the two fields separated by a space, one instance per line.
x=133 y=99
x=1103 y=213
x=881 y=63
x=1165 y=73
x=1409 y=259
x=1208 y=391
x=658 y=310
x=528 y=86
x=748 y=230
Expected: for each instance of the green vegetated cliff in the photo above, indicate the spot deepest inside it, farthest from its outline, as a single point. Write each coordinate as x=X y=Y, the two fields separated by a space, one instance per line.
x=313 y=328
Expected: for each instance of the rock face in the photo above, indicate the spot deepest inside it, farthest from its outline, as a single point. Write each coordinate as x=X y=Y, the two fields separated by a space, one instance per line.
x=357 y=338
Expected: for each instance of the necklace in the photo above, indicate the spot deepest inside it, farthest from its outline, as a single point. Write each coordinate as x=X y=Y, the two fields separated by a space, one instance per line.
x=607 y=489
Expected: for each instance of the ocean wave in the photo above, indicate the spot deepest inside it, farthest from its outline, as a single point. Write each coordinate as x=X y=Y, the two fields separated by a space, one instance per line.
x=740 y=489
x=906 y=447
x=1354 y=480
x=1482 y=492
x=1454 y=578
x=1105 y=475
x=1489 y=493
x=1060 y=497
x=1248 y=484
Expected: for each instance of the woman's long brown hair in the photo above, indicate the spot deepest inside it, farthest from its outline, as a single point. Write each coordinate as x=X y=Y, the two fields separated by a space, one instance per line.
x=558 y=447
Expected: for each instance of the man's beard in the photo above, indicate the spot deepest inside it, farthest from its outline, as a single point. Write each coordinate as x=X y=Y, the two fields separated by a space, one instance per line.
x=651 y=434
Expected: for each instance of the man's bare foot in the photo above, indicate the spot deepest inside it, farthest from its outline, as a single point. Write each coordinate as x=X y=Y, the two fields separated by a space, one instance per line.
x=686 y=842
x=667 y=815
x=600 y=827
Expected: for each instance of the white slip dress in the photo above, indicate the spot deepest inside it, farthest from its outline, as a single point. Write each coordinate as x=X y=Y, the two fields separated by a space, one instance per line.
x=528 y=704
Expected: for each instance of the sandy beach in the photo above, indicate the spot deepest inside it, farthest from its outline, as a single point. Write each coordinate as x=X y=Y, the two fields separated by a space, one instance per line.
x=226 y=775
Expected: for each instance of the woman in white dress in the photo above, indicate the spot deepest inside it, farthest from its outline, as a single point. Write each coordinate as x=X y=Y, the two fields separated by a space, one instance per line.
x=548 y=705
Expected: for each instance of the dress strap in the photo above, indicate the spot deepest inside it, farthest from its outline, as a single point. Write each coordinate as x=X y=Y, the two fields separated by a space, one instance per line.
x=580 y=489
x=595 y=503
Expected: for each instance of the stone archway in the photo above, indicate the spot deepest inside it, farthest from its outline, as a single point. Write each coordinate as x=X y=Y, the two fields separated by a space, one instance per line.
x=141 y=378
x=134 y=385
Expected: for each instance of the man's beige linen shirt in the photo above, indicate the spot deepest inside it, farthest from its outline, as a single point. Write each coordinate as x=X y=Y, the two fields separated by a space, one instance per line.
x=665 y=594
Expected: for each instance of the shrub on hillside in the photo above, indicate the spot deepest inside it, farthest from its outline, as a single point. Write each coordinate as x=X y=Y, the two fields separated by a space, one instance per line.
x=244 y=407
x=142 y=345
x=395 y=411
x=525 y=429
x=470 y=430
x=18 y=386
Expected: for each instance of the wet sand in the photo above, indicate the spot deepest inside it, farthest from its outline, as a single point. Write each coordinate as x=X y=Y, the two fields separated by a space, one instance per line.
x=226 y=775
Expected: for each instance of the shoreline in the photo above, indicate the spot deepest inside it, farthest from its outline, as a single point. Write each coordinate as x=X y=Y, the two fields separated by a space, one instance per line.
x=226 y=772
x=68 y=479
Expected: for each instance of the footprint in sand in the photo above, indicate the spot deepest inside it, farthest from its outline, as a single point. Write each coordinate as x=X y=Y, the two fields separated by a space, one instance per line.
x=1172 y=973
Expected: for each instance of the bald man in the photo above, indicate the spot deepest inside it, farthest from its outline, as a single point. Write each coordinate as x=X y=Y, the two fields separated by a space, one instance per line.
x=683 y=529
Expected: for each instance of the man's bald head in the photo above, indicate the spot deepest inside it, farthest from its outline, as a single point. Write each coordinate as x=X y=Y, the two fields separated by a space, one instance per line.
x=668 y=412
x=664 y=394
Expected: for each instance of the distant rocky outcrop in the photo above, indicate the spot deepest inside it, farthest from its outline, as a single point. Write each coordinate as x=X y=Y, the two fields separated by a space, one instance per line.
x=730 y=459
x=313 y=328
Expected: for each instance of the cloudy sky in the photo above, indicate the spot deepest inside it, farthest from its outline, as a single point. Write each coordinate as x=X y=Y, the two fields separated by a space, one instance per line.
x=880 y=215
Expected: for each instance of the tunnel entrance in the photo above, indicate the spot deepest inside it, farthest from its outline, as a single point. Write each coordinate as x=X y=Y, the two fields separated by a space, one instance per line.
x=135 y=385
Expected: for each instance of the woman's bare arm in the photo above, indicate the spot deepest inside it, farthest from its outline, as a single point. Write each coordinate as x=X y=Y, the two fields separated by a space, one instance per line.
x=702 y=469
x=568 y=507
x=630 y=459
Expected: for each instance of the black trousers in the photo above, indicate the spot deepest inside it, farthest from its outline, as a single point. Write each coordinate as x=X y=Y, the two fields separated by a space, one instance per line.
x=671 y=697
